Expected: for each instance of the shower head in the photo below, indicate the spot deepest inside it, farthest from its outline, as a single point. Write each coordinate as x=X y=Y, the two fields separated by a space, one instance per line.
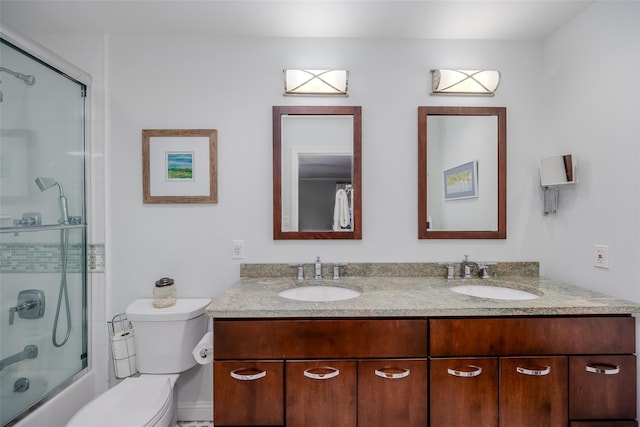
x=45 y=183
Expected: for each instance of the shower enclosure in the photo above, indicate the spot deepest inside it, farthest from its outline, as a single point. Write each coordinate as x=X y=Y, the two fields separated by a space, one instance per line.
x=43 y=267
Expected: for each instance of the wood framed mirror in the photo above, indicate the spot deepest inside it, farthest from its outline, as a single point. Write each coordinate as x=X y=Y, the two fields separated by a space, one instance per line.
x=317 y=172
x=462 y=173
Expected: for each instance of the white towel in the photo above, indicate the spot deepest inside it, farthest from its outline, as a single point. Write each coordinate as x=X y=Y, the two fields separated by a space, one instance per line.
x=341 y=215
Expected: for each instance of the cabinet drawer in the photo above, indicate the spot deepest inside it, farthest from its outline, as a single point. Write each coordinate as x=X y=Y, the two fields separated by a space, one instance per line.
x=321 y=393
x=464 y=392
x=286 y=339
x=533 y=391
x=602 y=387
x=392 y=393
x=248 y=393
x=604 y=423
x=531 y=336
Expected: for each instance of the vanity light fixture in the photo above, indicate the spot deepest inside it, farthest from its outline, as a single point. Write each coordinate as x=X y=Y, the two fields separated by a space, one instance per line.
x=316 y=82
x=464 y=82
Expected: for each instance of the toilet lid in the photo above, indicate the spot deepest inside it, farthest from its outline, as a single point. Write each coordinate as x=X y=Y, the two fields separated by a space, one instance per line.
x=135 y=402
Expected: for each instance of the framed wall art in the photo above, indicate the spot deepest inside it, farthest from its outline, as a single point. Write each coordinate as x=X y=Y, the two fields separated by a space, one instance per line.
x=179 y=166
x=461 y=182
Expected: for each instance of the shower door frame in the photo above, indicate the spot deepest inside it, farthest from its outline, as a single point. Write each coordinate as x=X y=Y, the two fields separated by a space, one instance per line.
x=67 y=69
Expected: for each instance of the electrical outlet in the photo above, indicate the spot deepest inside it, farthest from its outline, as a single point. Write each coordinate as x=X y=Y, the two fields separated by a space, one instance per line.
x=601 y=257
x=238 y=249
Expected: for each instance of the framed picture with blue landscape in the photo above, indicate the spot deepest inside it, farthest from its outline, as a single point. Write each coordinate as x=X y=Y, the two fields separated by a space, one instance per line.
x=179 y=166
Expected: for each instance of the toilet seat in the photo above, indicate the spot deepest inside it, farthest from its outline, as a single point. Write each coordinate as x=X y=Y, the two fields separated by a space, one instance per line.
x=136 y=402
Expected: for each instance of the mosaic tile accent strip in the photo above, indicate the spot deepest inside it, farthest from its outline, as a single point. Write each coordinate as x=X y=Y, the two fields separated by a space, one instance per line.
x=95 y=258
x=38 y=258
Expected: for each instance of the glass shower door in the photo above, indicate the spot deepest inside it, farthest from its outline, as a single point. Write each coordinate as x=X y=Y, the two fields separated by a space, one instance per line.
x=43 y=331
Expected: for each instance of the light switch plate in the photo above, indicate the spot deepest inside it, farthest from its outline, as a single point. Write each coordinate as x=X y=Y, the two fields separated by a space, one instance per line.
x=238 y=249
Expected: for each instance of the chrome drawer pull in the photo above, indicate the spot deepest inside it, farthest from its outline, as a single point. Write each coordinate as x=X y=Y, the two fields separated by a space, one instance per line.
x=473 y=372
x=392 y=373
x=324 y=373
x=248 y=374
x=537 y=371
x=603 y=369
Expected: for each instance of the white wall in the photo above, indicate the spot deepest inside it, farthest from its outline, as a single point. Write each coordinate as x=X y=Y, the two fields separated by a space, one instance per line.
x=231 y=84
x=592 y=109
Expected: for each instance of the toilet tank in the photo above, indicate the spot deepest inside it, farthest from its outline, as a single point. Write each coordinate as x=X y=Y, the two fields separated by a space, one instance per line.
x=165 y=337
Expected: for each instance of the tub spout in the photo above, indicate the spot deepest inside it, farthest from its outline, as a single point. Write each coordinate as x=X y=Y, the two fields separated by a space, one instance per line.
x=29 y=352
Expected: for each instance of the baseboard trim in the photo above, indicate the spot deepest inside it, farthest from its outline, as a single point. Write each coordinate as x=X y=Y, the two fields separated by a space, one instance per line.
x=188 y=411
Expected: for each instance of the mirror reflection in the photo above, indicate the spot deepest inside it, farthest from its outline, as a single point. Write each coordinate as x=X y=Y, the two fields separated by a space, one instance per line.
x=316 y=172
x=462 y=173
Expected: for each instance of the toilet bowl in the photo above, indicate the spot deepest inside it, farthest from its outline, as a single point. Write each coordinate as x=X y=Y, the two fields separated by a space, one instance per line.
x=165 y=338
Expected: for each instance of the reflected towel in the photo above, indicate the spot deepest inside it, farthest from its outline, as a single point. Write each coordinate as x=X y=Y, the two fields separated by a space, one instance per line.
x=341 y=215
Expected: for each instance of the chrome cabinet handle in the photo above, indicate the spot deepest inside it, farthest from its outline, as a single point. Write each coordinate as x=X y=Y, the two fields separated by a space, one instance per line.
x=534 y=371
x=392 y=373
x=322 y=373
x=599 y=368
x=474 y=371
x=245 y=374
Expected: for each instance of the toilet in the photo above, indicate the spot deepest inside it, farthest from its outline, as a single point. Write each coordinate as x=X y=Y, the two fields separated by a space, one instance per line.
x=165 y=338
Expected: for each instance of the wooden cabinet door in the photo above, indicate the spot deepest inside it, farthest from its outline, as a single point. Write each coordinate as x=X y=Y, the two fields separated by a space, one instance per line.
x=533 y=392
x=602 y=387
x=248 y=393
x=321 y=393
x=392 y=393
x=464 y=392
x=604 y=423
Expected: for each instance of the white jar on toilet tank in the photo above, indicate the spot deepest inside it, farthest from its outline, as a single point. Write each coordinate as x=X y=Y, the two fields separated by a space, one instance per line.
x=164 y=293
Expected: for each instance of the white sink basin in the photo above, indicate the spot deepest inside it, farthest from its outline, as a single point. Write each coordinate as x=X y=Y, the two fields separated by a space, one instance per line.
x=493 y=292
x=319 y=293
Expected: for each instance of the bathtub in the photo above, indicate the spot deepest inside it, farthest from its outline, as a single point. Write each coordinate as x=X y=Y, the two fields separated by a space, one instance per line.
x=54 y=411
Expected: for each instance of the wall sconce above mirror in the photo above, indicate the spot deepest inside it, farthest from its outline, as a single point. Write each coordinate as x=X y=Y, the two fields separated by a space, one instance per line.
x=462 y=173
x=316 y=82
x=317 y=172
x=464 y=82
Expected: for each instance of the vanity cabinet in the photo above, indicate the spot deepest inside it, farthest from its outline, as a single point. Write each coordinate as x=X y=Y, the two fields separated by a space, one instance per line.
x=342 y=372
x=551 y=371
x=541 y=371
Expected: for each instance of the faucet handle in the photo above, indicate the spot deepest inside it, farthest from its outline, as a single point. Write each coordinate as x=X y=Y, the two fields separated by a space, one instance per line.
x=336 y=272
x=12 y=313
x=450 y=272
x=300 y=275
x=484 y=269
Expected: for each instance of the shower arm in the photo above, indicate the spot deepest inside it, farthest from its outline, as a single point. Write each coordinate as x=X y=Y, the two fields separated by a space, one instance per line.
x=28 y=79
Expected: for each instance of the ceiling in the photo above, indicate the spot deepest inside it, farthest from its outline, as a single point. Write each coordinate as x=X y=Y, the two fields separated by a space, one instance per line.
x=394 y=19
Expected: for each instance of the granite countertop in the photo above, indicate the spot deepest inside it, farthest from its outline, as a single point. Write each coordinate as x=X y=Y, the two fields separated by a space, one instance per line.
x=257 y=297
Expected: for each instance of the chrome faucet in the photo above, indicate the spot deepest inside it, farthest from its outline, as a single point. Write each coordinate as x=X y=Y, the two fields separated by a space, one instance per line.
x=318 y=275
